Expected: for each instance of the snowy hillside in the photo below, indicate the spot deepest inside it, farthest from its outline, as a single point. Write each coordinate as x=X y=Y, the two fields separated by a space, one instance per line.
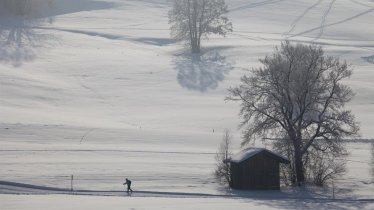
x=98 y=89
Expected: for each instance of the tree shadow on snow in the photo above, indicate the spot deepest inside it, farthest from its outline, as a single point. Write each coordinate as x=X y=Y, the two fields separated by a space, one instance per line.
x=369 y=59
x=316 y=203
x=20 y=42
x=301 y=198
x=155 y=41
x=22 y=39
x=61 y=7
x=201 y=72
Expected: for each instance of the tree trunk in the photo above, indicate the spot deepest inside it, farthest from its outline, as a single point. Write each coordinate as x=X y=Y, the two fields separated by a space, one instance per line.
x=194 y=38
x=194 y=46
x=299 y=166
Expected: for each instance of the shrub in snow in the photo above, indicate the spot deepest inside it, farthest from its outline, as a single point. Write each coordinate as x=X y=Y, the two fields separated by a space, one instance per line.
x=222 y=171
x=320 y=165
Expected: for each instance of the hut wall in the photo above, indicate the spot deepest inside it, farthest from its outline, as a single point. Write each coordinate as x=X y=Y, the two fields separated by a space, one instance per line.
x=258 y=172
x=235 y=175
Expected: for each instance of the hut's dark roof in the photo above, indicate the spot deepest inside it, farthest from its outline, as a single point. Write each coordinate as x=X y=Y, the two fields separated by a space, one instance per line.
x=252 y=151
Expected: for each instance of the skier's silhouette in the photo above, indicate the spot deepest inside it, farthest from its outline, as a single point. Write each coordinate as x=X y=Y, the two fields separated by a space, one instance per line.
x=128 y=183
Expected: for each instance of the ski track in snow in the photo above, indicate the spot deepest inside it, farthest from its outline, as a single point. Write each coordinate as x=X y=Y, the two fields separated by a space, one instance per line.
x=86 y=134
x=29 y=189
x=254 y=5
x=322 y=42
x=362 y=4
x=300 y=17
x=143 y=40
x=84 y=32
x=106 y=150
x=334 y=23
x=324 y=18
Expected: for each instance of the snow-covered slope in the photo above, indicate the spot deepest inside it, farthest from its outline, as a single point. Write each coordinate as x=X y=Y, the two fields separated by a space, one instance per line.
x=113 y=64
x=99 y=89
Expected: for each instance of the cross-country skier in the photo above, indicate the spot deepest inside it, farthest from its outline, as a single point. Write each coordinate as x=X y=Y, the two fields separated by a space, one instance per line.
x=128 y=183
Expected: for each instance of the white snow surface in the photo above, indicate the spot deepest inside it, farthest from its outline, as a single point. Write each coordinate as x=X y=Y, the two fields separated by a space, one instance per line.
x=98 y=89
x=59 y=202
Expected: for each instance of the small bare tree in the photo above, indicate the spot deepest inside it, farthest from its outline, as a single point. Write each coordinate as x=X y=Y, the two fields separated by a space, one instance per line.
x=223 y=155
x=323 y=166
x=297 y=97
x=372 y=162
x=192 y=20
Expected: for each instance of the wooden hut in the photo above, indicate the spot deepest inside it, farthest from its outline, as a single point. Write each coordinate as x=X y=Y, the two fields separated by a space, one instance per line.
x=256 y=169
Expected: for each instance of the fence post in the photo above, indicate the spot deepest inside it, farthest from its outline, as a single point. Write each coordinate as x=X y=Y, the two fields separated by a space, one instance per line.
x=333 y=190
x=71 y=183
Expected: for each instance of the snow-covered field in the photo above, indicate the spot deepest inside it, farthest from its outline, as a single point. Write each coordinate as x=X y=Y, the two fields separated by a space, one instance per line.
x=98 y=89
x=66 y=202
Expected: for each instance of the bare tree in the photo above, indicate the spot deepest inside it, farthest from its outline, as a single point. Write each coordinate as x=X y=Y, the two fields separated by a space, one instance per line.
x=297 y=97
x=192 y=20
x=222 y=172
